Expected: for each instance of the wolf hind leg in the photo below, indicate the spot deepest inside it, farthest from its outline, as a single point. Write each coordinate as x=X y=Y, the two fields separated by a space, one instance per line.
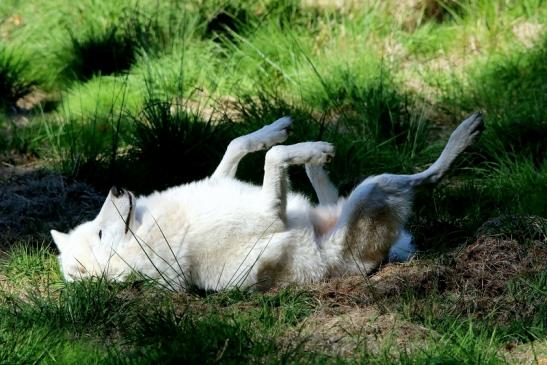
x=370 y=221
x=374 y=214
x=462 y=137
x=261 y=139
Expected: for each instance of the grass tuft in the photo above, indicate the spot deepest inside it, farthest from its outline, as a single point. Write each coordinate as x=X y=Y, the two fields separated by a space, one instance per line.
x=173 y=144
x=14 y=78
x=114 y=48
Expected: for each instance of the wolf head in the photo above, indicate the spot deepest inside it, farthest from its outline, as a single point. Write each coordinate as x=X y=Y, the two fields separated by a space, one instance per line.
x=87 y=249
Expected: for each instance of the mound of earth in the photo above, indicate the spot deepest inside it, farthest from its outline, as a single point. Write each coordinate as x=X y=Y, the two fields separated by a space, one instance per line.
x=472 y=279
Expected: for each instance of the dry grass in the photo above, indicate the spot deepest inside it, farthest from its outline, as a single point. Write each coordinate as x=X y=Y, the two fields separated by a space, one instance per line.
x=484 y=268
x=377 y=313
x=339 y=331
x=529 y=353
x=473 y=279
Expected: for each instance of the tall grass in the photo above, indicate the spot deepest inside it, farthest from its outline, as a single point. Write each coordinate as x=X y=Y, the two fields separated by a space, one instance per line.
x=15 y=79
x=114 y=47
x=506 y=170
x=174 y=145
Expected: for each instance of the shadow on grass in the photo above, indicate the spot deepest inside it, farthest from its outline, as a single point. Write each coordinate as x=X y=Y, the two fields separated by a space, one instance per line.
x=15 y=81
x=114 y=48
x=32 y=203
x=374 y=128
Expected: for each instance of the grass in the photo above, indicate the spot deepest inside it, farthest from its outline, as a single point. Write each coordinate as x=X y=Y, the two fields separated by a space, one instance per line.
x=174 y=329
x=46 y=320
x=168 y=134
x=114 y=47
x=143 y=86
x=15 y=81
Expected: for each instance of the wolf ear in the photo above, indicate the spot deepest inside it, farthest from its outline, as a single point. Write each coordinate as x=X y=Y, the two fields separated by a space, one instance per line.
x=60 y=239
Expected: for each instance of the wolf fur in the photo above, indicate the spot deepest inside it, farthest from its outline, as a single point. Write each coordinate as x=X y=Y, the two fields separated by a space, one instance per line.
x=220 y=232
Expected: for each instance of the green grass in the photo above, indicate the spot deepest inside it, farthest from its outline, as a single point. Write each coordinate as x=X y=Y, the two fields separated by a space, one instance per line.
x=113 y=48
x=167 y=134
x=142 y=86
x=137 y=323
x=15 y=79
x=44 y=320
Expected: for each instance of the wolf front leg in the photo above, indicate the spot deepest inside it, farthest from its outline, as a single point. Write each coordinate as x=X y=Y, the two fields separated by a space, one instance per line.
x=261 y=139
x=278 y=159
x=375 y=212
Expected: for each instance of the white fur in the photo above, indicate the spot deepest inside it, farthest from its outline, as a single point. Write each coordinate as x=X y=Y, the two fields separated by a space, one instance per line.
x=220 y=232
x=403 y=249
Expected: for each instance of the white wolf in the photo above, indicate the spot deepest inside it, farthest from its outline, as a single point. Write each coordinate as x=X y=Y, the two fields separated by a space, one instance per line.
x=220 y=232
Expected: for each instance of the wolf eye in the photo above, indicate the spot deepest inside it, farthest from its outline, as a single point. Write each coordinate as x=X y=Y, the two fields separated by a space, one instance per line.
x=100 y=234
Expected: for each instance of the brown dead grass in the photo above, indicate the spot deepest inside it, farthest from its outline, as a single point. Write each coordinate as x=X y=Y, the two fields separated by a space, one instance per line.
x=504 y=248
x=483 y=270
x=529 y=353
x=472 y=280
x=341 y=331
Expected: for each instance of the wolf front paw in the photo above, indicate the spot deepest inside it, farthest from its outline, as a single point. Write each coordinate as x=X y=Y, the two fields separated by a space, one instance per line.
x=313 y=153
x=317 y=153
x=267 y=136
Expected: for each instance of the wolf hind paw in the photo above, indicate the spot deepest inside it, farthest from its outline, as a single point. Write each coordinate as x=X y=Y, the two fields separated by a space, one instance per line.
x=467 y=132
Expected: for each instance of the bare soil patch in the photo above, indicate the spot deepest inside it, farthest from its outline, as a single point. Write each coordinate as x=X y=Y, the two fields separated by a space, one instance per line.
x=33 y=202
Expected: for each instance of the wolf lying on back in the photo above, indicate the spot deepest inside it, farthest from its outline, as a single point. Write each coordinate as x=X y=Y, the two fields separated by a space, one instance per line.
x=220 y=232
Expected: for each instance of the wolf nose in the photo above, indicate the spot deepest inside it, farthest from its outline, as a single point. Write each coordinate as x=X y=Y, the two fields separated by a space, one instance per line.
x=116 y=192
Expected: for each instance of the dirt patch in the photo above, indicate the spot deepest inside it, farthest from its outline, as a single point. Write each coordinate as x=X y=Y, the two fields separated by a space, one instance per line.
x=37 y=98
x=34 y=202
x=529 y=353
x=487 y=281
x=13 y=164
x=389 y=282
x=341 y=332
x=528 y=33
